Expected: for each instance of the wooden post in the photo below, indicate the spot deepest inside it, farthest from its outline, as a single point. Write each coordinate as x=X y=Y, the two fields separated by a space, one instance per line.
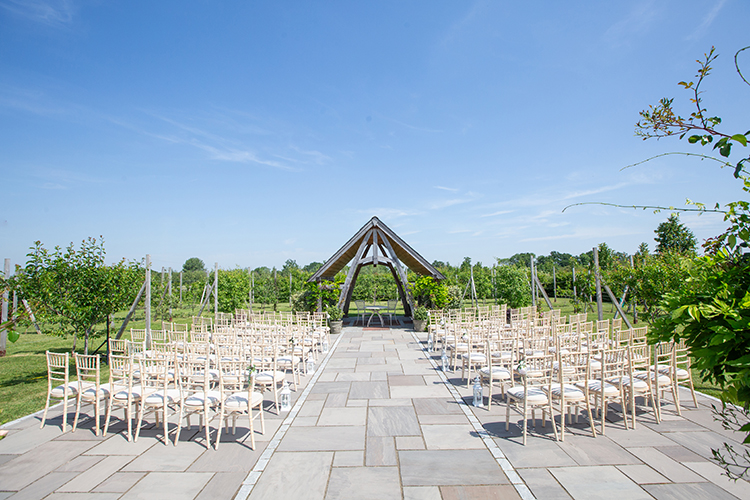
x=180 y=288
x=533 y=291
x=148 y=299
x=216 y=289
x=170 y=294
x=575 y=297
x=4 y=312
x=252 y=290
x=598 y=282
x=131 y=311
x=554 y=282
x=31 y=316
x=290 y=287
x=617 y=305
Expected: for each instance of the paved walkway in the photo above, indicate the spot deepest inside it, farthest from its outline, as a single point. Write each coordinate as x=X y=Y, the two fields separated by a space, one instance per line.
x=377 y=420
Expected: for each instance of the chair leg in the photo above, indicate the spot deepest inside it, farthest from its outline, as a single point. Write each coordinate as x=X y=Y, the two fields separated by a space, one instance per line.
x=44 y=416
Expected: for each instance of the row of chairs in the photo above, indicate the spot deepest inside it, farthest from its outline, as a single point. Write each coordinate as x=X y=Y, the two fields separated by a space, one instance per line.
x=534 y=361
x=191 y=370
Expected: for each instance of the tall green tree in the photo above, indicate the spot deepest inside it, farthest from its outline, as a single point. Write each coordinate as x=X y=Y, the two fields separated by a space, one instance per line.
x=74 y=289
x=674 y=236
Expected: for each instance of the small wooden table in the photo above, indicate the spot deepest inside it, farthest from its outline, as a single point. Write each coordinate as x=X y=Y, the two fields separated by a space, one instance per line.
x=373 y=311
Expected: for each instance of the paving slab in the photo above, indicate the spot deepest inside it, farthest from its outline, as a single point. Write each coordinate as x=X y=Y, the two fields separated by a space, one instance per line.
x=300 y=476
x=674 y=471
x=38 y=462
x=715 y=474
x=392 y=421
x=451 y=437
x=169 y=485
x=119 y=482
x=692 y=491
x=449 y=467
x=364 y=483
x=222 y=485
x=91 y=478
x=380 y=451
x=167 y=458
x=44 y=485
x=333 y=438
x=593 y=483
x=369 y=390
x=422 y=493
x=343 y=416
x=543 y=484
x=496 y=492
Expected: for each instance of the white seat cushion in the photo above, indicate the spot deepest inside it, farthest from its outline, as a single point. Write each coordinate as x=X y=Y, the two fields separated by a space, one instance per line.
x=238 y=400
x=498 y=373
x=596 y=387
x=571 y=392
x=638 y=384
x=266 y=378
x=157 y=398
x=122 y=394
x=535 y=396
x=90 y=392
x=59 y=391
x=197 y=399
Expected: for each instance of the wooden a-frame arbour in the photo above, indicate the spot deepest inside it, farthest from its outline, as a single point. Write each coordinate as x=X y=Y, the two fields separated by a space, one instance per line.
x=376 y=244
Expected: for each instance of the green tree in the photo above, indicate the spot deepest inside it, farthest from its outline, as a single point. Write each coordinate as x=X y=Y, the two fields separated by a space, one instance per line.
x=674 y=236
x=711 y=310
x=513 y=286
x=73 y=289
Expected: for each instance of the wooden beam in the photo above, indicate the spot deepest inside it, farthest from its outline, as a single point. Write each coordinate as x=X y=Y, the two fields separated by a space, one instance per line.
x=617 y=305
x=544 y=293
x=131 y=311
x=352 y=271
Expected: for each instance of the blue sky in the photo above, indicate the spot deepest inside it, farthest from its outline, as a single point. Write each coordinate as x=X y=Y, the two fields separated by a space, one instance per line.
x=249 y=133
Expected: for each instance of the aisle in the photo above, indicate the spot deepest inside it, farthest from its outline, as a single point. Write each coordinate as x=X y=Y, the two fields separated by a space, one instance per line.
x=379 y=422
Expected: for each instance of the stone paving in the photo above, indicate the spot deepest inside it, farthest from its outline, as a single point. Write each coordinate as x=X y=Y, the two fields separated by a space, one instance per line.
x=377 y=420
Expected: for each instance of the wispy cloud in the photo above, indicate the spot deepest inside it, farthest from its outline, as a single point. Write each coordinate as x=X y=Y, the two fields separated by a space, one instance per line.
x=701 y=29
x=500 y=212
x=589 y=192
x=52 y=13
x=640 y=20
x=445 y=188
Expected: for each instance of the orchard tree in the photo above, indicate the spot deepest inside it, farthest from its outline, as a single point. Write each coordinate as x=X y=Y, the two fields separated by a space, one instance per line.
x=674 y=236
x=73 y=289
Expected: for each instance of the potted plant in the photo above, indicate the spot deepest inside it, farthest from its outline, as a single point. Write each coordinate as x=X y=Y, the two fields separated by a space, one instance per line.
x=335 y=319
x=420 y=317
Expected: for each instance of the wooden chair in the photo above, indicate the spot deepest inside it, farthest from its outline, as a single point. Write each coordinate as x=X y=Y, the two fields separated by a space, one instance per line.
x=501 y=354
x=156 y=395
x=123 y=392
x=196 y=395
x=59 y=385
x=570 y=390
x=238 y=397
x=90 y=388
x=535 y=372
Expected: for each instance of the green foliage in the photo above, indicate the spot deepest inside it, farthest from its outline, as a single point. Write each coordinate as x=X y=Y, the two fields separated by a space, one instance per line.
x=73 y=289
x=334 y=313
x=429 y=292
x=673 y=236
x=193 y=264
x=711 y=311
x=420 y=313
x=234 y=290
x=307 y=300
x=513 y=287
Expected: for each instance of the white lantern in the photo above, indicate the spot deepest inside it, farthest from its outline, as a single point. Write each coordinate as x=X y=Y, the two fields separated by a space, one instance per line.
x=310 y=366
x=478 y=396
x=429 y=342
x=286 y=397
x=444 y=361
x=325 y=344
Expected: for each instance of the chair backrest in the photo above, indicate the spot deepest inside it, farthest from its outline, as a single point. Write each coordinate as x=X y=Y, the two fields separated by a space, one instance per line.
x=58 y=364
x=88 y=371
x=138 y=334
x=118 y=346
x=121 y=369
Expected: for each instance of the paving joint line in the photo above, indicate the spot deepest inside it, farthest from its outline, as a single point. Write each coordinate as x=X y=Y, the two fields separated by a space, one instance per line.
x=252 y=477
x=502 y=461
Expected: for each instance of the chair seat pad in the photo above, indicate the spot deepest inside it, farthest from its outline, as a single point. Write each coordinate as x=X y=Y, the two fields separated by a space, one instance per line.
x=571 y=392
x=498 y=373
x=157 y=398
x=122 y=394
x=529 y=373
x=90 y=392
x=662 y=380
x=288 y=360
x=266 y=378
x=596 y=387
x=475 y=357
x=638 y=384
x=238 y=400
x=59 y=391
x=535 y=396
x=197 y=399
